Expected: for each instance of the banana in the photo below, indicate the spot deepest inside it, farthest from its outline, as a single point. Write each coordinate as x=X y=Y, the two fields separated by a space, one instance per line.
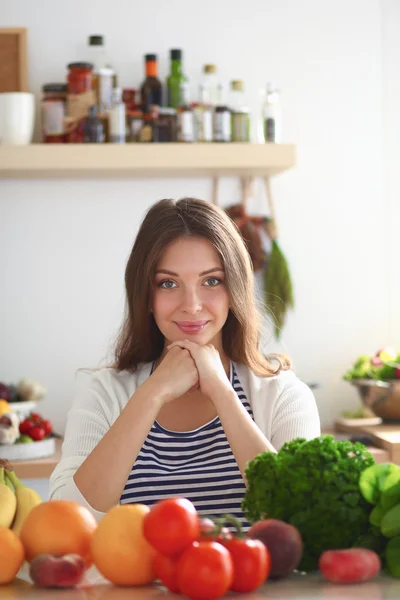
x=8 y=502
x=26 y=498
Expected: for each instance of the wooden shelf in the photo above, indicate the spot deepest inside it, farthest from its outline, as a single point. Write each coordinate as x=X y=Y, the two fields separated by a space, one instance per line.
x=43 y=161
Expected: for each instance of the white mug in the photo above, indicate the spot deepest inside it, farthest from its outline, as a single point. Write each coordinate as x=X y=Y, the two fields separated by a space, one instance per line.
x=17 y=118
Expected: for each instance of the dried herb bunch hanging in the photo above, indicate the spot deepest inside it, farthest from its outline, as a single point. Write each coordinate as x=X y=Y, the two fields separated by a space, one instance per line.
x=277 y=280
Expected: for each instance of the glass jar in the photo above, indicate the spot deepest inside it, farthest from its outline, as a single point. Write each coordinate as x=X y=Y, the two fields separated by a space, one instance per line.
x=80 y=77
x=134 y=124
x=165 y=125
x=53 y=111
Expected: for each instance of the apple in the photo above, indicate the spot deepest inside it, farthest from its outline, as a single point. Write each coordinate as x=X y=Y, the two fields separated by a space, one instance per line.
x=51 y=570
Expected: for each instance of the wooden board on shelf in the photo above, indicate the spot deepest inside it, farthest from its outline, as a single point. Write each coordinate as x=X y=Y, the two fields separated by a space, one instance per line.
x=13 y=60
x=40 y=161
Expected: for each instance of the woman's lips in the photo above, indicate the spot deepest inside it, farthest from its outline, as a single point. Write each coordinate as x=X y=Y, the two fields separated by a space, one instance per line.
x=191 y=326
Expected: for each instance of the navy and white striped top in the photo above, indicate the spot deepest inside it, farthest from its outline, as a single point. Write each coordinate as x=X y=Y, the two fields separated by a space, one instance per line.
x=198 y=465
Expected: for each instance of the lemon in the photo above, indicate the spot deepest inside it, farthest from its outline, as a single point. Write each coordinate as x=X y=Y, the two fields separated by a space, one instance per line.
x=4 y=407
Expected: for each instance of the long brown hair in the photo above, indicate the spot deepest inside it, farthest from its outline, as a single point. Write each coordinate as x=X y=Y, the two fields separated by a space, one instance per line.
x=139 y=339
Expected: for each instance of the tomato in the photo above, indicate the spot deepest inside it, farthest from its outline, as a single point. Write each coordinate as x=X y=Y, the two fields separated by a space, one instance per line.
x=25 y=426
x=206 y=527
x=166 y=571
x=205 y=571
x=251 y=563
x=171 y=526
x=35 y=417
x=36 y=433
x=47 y=426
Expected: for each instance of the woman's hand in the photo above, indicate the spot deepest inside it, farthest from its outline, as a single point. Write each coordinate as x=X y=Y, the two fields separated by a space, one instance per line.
x=176 y=374
x=211 y=372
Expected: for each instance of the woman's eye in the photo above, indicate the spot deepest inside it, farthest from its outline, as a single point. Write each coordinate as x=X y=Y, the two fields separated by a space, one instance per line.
x=166 y=284
x=214 y=281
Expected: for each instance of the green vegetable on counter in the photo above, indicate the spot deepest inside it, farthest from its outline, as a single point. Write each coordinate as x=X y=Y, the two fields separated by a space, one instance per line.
x=313 y=485
x=380 y=486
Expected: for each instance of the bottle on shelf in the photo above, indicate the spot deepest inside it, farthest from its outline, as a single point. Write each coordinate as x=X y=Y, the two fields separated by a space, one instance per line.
x=151 y=89
x=185 y=116
x=240 y=116
x=203 y=117
x=222 y=118
x=210 y=83
x=175 y=79
x=104 y=76
x=271 y=116
x=93 y=128
x=117 y=118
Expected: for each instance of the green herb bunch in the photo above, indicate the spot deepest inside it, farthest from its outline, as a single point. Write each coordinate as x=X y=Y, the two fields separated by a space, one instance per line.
x=278 y=287
x=313 y=485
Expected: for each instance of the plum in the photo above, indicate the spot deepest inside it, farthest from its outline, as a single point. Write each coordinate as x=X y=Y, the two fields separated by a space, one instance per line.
x=51 y=570
x=284 y=543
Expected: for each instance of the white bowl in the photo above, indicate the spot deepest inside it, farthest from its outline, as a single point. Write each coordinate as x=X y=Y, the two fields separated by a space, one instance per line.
x=23 y=408
x=30 y=451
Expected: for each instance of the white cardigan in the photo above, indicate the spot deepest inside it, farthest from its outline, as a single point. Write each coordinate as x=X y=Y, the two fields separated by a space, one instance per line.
x=283 y=407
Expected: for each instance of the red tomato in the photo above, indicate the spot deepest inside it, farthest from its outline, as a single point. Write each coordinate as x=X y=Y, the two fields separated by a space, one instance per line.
x=171 y=526
x=35 y=417
x=25 y=426
x=36 y=433
x=207 y=525
x=166 y=571
x=251 y=563
x=205 y=571
x=47 y=426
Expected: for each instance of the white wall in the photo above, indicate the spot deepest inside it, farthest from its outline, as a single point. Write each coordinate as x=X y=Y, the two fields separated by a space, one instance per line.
x=64 y=243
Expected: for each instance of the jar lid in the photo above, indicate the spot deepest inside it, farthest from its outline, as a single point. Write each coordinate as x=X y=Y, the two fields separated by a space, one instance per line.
x=96 y=40
x=237 y=84
x=80 y=65
x=210 y=69
x=150 y=57
x=55 y=87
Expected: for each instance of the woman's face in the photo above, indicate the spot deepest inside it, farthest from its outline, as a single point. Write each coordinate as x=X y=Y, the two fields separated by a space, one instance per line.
x=190 y=299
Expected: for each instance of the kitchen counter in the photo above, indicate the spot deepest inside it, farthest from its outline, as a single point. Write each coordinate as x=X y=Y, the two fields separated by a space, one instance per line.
x=296 y=587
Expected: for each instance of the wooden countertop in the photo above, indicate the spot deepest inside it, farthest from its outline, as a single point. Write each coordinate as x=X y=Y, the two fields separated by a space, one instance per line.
x=296 y=587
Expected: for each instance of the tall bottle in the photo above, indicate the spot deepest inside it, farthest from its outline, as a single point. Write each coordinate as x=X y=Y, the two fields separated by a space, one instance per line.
x=185 y=116
x=222 y=130
x=93 y=128
x=210 y=83
x=175 y=79
x=240 y=116
x=117 y=118
x=203 y=117
x=104 y=76
x=151 y=89
x=272 y=115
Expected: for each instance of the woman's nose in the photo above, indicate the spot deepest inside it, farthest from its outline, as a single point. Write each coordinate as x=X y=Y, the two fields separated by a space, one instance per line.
x=191 y=302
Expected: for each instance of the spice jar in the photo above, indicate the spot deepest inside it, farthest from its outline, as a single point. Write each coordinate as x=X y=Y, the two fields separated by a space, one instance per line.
x=165 y=125
x=80 y=77
x=53 y=109
x=134 y=122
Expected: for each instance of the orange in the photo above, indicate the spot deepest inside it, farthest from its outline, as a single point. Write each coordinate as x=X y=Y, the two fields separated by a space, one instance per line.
x=11 y=555
x=58 y=527
x=119 y=549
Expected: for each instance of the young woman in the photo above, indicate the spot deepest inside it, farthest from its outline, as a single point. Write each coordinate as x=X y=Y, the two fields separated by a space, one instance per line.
x=190 y=398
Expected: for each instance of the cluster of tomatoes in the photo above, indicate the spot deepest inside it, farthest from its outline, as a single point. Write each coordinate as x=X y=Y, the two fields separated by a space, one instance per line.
x=200 y=558
x=35 y=427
